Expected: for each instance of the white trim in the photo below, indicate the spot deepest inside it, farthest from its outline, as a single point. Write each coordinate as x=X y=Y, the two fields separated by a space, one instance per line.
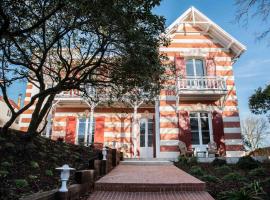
x=117 y=135
x=169 y=142
x=231 y=119
x=233 y=142
x=235 y=153
x=169 y=155
x=190 y=41
x=157 y=128
x=169 y=130
x=232 y=130
x=194 y=51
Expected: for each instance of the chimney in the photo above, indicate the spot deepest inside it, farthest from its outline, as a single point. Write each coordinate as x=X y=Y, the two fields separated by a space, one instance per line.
x=19 y=100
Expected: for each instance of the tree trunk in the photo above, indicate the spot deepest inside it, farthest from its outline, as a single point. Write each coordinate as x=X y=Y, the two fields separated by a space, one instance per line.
x=134 y=130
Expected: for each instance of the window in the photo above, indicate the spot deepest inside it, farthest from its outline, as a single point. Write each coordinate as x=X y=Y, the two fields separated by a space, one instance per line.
x=83 y=131
x=195 y=67
x=200 y=128
x=146 y=133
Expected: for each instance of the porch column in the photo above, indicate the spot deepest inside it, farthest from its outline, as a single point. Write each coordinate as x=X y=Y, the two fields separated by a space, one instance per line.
x=157 y=127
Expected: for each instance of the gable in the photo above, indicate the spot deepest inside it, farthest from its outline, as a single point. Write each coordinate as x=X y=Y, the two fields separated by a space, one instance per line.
x=192 y=24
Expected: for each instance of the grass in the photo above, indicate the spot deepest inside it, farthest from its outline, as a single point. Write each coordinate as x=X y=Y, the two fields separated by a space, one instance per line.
x=29 y=167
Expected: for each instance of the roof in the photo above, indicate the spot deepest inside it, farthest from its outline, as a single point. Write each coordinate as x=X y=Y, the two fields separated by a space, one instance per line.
x=13 y=104
x=195 y=17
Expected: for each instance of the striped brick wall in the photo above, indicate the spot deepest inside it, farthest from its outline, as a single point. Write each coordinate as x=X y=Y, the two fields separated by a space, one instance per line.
x=193 y=42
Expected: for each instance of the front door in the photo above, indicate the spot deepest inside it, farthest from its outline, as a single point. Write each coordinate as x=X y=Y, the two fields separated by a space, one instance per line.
x=146 y=138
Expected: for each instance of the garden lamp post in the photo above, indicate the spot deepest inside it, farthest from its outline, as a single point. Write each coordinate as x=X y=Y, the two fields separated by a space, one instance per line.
x=65 y=173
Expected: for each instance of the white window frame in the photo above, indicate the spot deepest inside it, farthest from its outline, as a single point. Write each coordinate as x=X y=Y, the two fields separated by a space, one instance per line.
x=85 y=132
x=202 y=146
x=194 y=68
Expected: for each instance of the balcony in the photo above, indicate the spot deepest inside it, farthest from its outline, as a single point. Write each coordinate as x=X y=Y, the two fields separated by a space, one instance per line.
x=202 y=88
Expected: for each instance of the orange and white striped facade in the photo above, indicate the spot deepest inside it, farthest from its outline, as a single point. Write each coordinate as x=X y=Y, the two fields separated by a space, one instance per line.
x=184 y=105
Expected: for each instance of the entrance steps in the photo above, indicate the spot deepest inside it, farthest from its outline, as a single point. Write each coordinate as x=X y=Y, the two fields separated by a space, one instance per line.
x=144 y=161
x=151 y=182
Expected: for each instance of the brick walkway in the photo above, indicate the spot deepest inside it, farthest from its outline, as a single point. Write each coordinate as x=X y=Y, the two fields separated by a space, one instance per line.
x=149 y=182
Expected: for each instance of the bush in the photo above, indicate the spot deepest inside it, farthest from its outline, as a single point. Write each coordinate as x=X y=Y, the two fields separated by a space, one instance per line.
x=233 y=177
x=257 y=172
x=3 y=173
x=247 y=162
x=6 y=164
x=241 y=194
x=192 y=161
x=223 y=170
x=49 y=172
x=219 y=162
x=210 y=178
x=196 y=171
x=20 y=183
x=34 y=164
x=182 y=160
x=32 y=177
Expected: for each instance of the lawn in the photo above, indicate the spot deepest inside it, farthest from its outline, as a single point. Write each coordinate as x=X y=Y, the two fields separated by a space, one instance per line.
x=248 y=179
x=29 y=167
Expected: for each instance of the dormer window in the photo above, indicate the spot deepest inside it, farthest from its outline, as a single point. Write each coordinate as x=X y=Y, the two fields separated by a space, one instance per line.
x=195 y=67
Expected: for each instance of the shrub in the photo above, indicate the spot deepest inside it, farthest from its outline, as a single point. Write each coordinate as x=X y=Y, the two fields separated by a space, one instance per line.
x=241 y=194
x=222 y=170
x=48 y=172
x=192 y=161
x=34 y=164
x=3 y=173
x=233 y=177
x=257 y=172
x=32 y=177
x=6 y=164
x=219 y=162
x=210 y=178
x=196 y=171
x=182 y=160
x=247 y=162
x=10 y=145
x=20 y=183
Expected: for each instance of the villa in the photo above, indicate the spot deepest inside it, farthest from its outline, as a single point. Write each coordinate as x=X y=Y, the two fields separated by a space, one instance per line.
x=202 y=109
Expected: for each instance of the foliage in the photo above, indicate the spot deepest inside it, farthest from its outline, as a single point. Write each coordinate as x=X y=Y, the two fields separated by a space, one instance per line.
x=210 y=178
x=252 y=192
x=257 y=172
x=6 y=164
x=20 y=183
x=197 y=171
x=70 y=44
x=34 y=164
x=192 y=161
x=3 y=173
x=222 y=170
x=259 y=102
x=219 y=162
x=247 y=162
x=233 y=177
x=48 y=172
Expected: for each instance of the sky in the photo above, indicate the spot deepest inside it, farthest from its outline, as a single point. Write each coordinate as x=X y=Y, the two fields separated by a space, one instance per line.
x=251 y=71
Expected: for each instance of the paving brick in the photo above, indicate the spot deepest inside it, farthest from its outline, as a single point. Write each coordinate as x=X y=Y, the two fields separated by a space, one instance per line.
x=146 y=178
x=171 y=195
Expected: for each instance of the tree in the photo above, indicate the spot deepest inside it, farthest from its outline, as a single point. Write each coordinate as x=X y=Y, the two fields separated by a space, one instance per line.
x=254 y=130
x=64 y=45
x=135 y=98
x=254 y=8
x=259 y=102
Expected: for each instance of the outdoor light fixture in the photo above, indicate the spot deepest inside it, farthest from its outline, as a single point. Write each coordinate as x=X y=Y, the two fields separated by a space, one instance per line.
x=65 y=173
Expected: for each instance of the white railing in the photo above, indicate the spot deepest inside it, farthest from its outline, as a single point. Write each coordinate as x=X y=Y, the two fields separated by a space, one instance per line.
x=202 y=83
x=70 y=94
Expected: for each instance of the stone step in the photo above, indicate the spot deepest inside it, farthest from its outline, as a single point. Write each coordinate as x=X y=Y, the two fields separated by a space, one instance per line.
x=148 y=178
x=185 y=195
x=146 y=162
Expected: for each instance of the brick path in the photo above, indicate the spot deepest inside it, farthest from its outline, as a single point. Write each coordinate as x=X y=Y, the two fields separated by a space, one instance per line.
x=149 y=182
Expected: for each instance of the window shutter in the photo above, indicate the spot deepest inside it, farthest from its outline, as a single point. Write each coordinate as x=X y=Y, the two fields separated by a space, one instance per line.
x=99 y=130
x=71 y=130
x=180 y=66
x=184 y=128
x=218 y=130
x=210 y=67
